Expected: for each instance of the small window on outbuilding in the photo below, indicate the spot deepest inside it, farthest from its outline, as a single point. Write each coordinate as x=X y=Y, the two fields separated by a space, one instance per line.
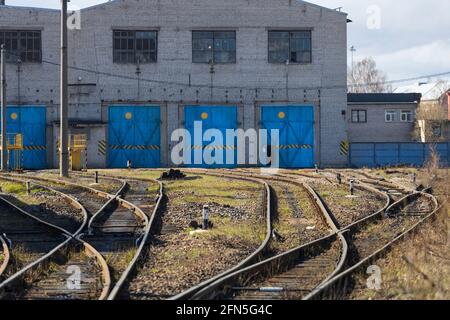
x=390 y=115
x=406 y=116
x=437 y=131
x=359 y=116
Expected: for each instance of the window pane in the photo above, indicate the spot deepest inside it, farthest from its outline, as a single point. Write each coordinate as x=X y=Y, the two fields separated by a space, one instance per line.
x=362 y=116
x=301 y=34
x=224 y=35
x=24 y=45
x=202 y=35
x=278 y=47
x=278 y=56
x=278 y=34
x=300 y=46
x=203 y=44
x=218 y=46
x=135 y=46
x=202 y=56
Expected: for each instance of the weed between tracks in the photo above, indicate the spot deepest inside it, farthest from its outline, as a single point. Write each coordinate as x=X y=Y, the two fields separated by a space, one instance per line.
x=178 y=259
x=348 y=209
x=419 y=267
x=118 y=261
x=43 y=204
x=297 y=220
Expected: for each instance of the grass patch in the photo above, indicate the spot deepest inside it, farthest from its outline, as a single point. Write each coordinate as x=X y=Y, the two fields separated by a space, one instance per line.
x=12 y=187
x=211 y=189
x=250 y=233
x=119 y=260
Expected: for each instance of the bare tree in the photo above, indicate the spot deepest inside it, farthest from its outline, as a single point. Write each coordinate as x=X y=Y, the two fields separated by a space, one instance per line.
x=364 y=77
x=432 y=117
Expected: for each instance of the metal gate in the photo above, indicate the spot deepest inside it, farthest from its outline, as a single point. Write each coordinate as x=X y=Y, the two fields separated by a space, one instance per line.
x=134 y=135
x=30 y=121
x=296 y=131
x=396 y=154
x=212 y=117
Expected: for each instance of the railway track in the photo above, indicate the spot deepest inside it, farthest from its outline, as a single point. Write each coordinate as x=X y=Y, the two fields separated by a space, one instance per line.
x=166 y=231
x=343 y=284
x=301 y=272
x=296 y=218
x=394 y=191
x=72 y=269
x=290 y=275
x=117 y=228
x=24 y=238
x=4 y=256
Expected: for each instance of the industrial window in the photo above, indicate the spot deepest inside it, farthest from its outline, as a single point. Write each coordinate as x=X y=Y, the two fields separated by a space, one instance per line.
x=214 y=46
x=22 y=45
x=359 y=116
x=290 y=46
x=390 y=115
x=406 y=116
x=135 y=46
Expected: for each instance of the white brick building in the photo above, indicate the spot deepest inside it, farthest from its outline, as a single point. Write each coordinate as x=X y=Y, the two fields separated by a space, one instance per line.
x=174 y=80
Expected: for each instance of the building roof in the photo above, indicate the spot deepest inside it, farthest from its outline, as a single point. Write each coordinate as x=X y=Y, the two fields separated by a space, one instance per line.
x=429 y=91
x=107 y=3
x=381 y=98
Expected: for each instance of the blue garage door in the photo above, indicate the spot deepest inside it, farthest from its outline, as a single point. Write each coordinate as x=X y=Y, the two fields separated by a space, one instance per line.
x=30 y=121
x=134 y=134
x=296 y=125
x=212 y=117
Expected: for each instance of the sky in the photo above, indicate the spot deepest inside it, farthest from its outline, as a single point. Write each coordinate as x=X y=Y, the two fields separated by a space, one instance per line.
x=407 y=38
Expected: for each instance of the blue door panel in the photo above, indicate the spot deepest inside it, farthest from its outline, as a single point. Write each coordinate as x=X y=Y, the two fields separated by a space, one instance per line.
x=30 y=121
x=134 y=134
x=220 y=118
x=296 y=133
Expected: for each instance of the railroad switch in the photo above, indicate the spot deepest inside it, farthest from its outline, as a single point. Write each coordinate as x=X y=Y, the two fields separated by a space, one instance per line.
x=352 y=187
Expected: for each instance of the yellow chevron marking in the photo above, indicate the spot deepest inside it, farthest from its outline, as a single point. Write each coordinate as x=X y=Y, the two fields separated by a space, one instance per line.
x=134 y=147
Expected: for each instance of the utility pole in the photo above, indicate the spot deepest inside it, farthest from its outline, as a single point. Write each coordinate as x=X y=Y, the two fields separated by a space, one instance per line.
x=64 y=121
x=4 y=155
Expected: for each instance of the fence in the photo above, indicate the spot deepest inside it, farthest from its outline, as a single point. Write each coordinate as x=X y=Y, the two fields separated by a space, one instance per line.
x=396 y=154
